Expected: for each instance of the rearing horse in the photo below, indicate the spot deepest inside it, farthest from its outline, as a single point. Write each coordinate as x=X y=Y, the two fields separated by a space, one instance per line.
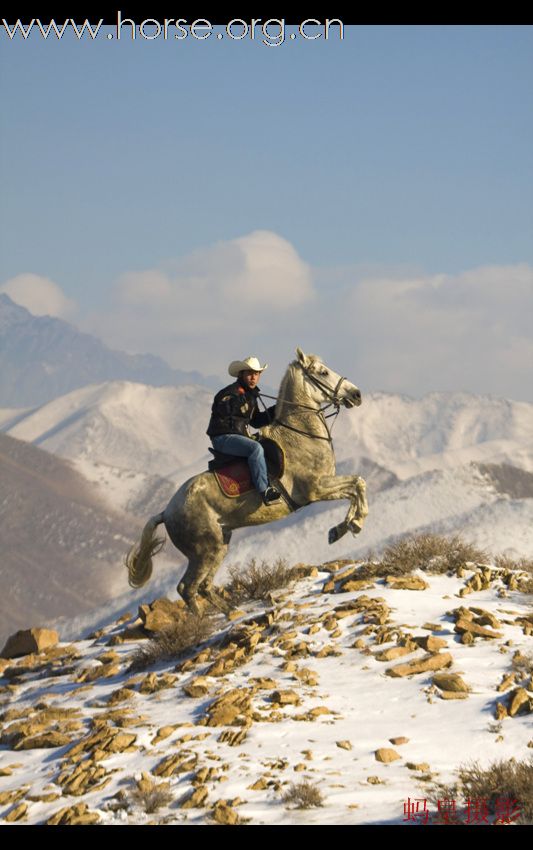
x=199 y=518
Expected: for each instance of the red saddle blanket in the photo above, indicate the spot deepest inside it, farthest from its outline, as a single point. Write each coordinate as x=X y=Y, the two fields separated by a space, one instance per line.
x=234 y=479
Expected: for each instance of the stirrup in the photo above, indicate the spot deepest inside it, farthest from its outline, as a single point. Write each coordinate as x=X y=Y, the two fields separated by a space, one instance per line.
x=271 y=495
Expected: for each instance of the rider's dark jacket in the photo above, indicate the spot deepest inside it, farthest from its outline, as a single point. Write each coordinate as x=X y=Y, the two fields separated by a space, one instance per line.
x=234 y=408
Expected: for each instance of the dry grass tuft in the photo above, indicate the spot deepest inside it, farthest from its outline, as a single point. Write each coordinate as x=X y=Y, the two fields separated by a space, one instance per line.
x=257 y=581
x=428 y=552
x=523 y=663
x=506 y=563
x=303 y=795
x=505 y=787
x=172 y=643
x=151 y=796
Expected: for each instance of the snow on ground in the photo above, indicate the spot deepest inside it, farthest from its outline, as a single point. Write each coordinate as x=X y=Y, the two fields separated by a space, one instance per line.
x=365 y=707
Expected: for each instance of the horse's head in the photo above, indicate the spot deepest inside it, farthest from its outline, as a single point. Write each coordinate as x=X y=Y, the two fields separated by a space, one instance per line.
x=323 y=384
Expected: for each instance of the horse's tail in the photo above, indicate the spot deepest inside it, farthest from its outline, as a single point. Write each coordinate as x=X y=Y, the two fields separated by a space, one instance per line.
x=139 y=558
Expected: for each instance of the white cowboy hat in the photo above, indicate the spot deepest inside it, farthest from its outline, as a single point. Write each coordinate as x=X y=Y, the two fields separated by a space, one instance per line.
x=248 y=364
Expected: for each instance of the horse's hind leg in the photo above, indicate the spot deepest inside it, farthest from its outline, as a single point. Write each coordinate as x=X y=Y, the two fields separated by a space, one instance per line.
x=207 y=588
x=198 y=578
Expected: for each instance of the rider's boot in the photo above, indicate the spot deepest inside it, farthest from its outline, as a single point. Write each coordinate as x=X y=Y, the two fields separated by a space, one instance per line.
x=271 y=495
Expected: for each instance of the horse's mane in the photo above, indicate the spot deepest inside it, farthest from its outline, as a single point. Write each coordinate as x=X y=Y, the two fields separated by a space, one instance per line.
x=312 y=359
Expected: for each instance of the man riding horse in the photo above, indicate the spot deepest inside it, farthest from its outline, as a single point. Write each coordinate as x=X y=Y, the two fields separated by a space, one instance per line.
x=234 y=409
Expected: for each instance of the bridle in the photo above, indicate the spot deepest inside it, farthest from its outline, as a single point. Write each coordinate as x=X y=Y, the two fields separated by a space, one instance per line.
x=332 y=396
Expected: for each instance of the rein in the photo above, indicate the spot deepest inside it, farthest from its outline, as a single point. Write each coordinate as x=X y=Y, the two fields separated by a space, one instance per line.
x=334 y=402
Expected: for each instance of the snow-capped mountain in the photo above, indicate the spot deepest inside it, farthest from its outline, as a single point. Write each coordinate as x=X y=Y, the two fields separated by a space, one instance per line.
x=42 y=357
x=443 y=463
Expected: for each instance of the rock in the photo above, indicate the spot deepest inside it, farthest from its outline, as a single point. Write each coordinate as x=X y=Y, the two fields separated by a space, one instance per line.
x=500 y=712
x=17 y=813
x=163 y=733
x=411 y=765
x=121 y=695
x=132 y=633
x=519 y=702
x=467 y=638
x=430 y=662
x=161 y=614
x=229 y=707
x=406 y=583
x=450 y=682
x=224 y=814
x=386 y=755
x=177 y=763
x=431 y=643
x=74 y=815
x=199 y=687
x=344 y=745
x=355 y=585
x=48 y=740
x=197 y=799
x=153 y=683
x=398 y=741
x=233 y=738
x=463 y=625
x=260 y=785
x=43 y=798
x=13 y=796
x=109 y=657
x=507 y=682
x=286 y=698
x=485 y=618
x=453 y=695
x=327 y=651
x=264 y=683
x=98 y=671
x=319 y=711
x=28 y=641
x=392 y=653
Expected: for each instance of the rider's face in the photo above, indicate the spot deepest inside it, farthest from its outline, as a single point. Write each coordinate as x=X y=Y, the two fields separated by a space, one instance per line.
x=250 y=378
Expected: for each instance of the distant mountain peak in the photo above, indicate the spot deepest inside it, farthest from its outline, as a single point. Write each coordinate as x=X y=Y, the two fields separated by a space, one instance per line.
x=43 y=357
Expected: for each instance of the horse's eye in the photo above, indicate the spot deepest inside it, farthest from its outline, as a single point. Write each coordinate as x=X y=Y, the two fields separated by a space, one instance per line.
x=324 y=372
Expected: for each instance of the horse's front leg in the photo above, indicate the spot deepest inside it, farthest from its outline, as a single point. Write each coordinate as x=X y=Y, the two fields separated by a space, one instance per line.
x=350 y=487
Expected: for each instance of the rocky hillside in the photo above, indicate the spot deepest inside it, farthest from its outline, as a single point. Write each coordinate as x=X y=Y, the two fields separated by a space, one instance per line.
x=363 y=690
x=60 y=545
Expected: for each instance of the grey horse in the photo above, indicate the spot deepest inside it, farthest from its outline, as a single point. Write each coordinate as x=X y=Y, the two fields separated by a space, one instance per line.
x=200 y=518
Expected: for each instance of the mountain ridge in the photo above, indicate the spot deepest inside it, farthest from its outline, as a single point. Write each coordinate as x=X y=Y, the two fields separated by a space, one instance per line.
x=43 y=357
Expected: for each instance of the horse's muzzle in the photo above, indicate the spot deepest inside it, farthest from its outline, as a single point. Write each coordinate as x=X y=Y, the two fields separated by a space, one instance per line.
x=352 y=399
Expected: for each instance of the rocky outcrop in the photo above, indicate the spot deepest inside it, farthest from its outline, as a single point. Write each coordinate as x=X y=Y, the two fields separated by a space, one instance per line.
x=430 y=662
x=27 y=641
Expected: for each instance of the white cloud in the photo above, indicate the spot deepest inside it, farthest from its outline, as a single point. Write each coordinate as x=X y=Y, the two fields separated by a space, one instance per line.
x=40 y=295
x=398 y=330
x=470 y=331
x=211 y=305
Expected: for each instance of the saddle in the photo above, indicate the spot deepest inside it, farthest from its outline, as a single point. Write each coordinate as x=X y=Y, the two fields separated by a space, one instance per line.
x=233 y=473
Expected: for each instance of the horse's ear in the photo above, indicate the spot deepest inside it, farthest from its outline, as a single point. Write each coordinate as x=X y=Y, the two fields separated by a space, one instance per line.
x=301 y=356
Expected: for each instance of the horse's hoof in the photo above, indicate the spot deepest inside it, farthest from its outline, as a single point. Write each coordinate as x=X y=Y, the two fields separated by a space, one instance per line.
x=216 y=600
x=333 y=535
x=189 y=599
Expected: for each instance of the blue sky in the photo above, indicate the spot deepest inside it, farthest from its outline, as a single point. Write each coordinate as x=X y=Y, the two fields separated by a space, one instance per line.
x=400 y=153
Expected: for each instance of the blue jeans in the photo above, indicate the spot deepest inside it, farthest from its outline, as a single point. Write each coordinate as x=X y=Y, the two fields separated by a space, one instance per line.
x=236 y=444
